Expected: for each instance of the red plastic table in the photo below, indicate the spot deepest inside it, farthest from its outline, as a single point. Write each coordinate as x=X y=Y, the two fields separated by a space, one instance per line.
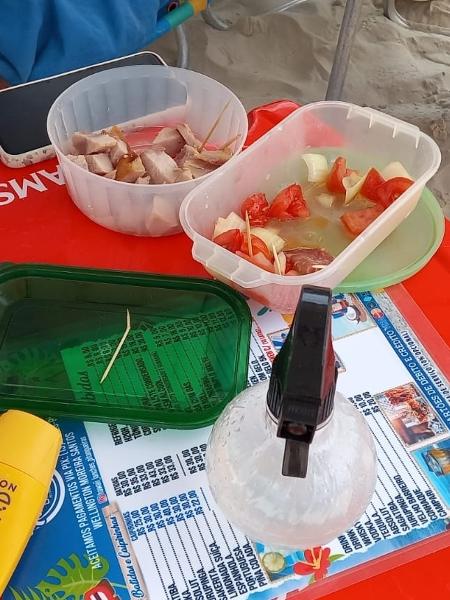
x=39 y=224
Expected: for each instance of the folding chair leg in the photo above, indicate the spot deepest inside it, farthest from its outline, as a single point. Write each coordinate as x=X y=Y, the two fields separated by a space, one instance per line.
x=183 y=47
x=391 y=12
x=214 y=21
x=341 y=61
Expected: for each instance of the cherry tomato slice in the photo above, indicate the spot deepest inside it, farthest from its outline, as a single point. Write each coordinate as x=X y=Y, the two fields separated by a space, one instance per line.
x=231 y=239
x=358 y=220
x=289 y=204
x=391 y=189
x=257 y=207
x=336 y=175
x=258 y=246
x=298 y=207
x=371 y=183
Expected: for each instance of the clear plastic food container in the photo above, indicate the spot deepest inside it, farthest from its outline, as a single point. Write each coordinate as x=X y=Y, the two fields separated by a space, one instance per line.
x=365 y=136
x=134 y=97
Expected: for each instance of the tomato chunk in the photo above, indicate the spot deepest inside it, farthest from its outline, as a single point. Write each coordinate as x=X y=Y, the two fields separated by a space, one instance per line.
x=289 y=204
x=390 y=190
x=371 y=183
x=336 y=175
x=358 y=220
x=257 y=208
x=231 y=239
x=259 y=260
x=258 y=246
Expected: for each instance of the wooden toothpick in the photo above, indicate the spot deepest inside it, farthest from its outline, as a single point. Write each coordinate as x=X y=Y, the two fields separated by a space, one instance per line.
x=214 y=125
x=249 y=235
x=228 y=144
x=276 y=259
x=117 y=350
x=312 y=186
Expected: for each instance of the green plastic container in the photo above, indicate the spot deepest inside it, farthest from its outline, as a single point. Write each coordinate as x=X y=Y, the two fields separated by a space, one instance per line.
x=407 y=250
x=185 y=358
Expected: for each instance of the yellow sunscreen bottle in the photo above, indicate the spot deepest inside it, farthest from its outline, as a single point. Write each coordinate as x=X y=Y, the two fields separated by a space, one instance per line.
x=29 y=449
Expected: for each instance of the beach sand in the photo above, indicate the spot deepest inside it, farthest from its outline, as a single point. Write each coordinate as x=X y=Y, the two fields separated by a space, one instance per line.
x=403 y=72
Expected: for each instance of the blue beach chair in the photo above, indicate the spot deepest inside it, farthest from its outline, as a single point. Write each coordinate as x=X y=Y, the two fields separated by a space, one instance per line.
x=172 y=16
x=59 y=36
x=391 y=12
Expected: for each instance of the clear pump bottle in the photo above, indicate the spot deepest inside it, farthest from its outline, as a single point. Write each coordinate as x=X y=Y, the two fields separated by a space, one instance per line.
x=291 y=462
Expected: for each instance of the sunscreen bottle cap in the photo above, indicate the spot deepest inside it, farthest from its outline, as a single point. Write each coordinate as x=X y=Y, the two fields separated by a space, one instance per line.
x=29 y=444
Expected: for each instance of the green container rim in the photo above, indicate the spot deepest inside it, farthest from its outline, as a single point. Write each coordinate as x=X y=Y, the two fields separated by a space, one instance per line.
x=430 y=204
x=175 y=419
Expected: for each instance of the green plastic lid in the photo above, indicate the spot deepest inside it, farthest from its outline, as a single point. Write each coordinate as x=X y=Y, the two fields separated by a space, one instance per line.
x=184 y=358
x=407 y=250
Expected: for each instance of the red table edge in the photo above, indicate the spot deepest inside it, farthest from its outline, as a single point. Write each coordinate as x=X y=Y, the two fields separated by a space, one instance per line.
x=415 y=309
x=339 y=581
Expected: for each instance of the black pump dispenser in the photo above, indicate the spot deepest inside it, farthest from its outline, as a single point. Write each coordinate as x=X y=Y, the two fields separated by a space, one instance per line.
x=303 y=380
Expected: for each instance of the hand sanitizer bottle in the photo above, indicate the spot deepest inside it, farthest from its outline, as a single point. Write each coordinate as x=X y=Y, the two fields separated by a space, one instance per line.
x=290 y=462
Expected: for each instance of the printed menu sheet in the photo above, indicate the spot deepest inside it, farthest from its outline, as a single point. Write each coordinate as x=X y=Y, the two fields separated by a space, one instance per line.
x=130 y=514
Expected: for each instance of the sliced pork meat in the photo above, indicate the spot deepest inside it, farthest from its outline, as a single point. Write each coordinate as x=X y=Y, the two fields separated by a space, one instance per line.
x=160 y=166
x=188 y=160
x=170 y=140
x=201 y=163
x=162 y=217
x=188 y=135
x=89 y=143
x=116 y=132
x=307 y=260
x=198 y=168
x=129 y=168
x=99 y=163
x=119 y=150
x=78 y=159
x=187 y=153
x=215 y=157
x=173 y=156
x=184 y=174
x=143 y=180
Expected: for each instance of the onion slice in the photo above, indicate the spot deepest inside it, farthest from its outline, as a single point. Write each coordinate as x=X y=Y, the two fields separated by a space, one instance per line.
x=395 y=169
x=317 y=166
x=282 y=262
x=233 y=221
x=270 y=238
x=326 y=200
x=352 y=184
